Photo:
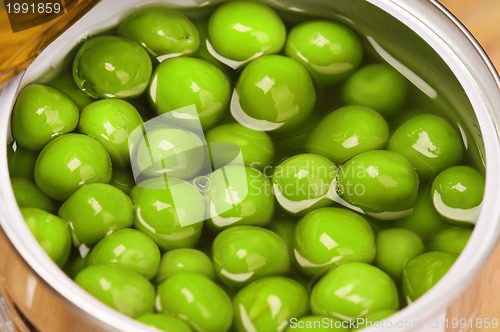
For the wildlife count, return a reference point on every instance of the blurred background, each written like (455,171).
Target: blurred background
(482,19)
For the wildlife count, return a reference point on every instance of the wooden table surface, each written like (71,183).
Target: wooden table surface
(482,299)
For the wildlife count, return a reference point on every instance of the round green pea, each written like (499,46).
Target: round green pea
(165,322)
(429,142)
(21,161)
(76,263)
(170,212)
(122,179)
(269,303)
(184,260)
(65,83)
(395,247)
(127,248)
(198,300)
(451,239)
(354,290)
(95,210)
(303,182)
(167,151)
(295,141)
(347,132)
(275,93)
(382,183)
(255,146)
(123,290)
(244,29)
(242,254)
(183,81)
(28,195)
(112,67)
(51,232)
(162,31)
(425,221)
(408,113)
(424,271)
(110,121)
(239,195)
(69,162)
(330,51)
(457,193)
(285,227)
(203,52)
(41,114)
(327,237)
(317,324)
(378,86)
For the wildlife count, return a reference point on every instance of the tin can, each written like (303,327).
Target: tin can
(419,38)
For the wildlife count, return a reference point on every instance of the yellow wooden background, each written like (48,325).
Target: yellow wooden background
(482,299)
(482,18)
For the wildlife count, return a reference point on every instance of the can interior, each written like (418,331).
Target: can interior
(384,34)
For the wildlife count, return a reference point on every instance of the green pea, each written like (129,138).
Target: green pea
(51,232)
(65,83)
(203,52)
(424,271)
(41,114)
(303,182)
(425,221)
(69,162)
(239,195)
(242,254)
(295,142)
(21,161)
(347,132)
(165,323)
(328,50)
(254,27)
(28,195)
(451,239)
(412,111)
(122,179)
(382,183)
(275,93)
(169,212)
(184,260)
(429,142)
(457,193)
(95,210)
(123,290)
(198,300)
(256,147)
(317,324)
(110,121)
(127,248)
(285,227)
(112,67)
(373,318)
(378,86)
(161,30)
(183,81)
(173,152)
(354,290)
(327,237)
(269,303)
(395,247)
(77,262)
